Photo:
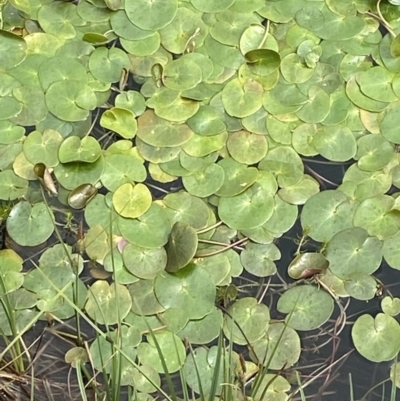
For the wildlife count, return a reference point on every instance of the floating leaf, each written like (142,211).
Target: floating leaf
(190,289)
(151,16)
(252,318)
(103,301)
(132,200)
(171,347)
(242,100)
(263,61)
(121,121)
(279,347)
(144,263)
(70,100)
(204,183)
(181,246)
(12,50)
(12,186)
(144,301)
(259,259)
(377,339)
(248,210)
(150,230)
(30,225)
(74,149)
(122,169)
(307,307)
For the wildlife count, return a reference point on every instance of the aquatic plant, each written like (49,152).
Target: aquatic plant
(179,132)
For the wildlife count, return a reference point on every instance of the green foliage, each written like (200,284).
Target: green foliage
(231,98)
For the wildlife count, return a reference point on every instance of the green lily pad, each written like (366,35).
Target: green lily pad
(74,149)
(181,246)
(374,215)
(102,352)
(72,175)
(279,347)
(124,28)
(144,301)
(203,331)
(241,100)
(376,339)
(70,100)
(43,148)
(186,26)
(142,47)
(247,148)
(10,271)
(230,26)
(376,83)
(299,194)
(374,152)
(144,263)
(200,369)
(13,50)
(150,230)
(61,68)
(389,123)
(250,209)
(33,104)
(159,132)
(10,107)
(307,307)
(11,133)
(104,300)
(354,93)
(169,345)
(30,225)
(121,121)
(391,251)
(186,208)
(336,143)
(97,243)
(207,121)
(200,146)
(317,107)
(390,306)
(212,6)
(106,64)
(218,267)
(238,177)
(259,259)
(310,18)
(262,61)
(59,19)
(327,213)
(285,164)
(182,74)
(252,318)
(190,289)
(294,70)
(131,100)
(274,387)
(360,286)
(132,200)
(122,169)
(12,186)
(151,16)
(146,380)
(205,183)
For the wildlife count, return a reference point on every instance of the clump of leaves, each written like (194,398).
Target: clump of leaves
(222,103)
